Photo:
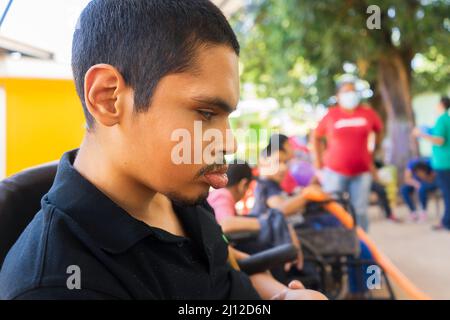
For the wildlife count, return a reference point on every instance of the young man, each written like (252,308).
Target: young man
(123,219)
(420,177)
(347,161)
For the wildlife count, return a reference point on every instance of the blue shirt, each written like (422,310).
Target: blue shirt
(119,257)
(412,163)
(265,188)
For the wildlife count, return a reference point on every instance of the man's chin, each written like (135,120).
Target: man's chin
(185,201)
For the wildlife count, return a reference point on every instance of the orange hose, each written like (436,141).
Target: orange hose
(316,195)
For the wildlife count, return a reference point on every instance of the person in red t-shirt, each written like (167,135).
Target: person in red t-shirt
(346,160)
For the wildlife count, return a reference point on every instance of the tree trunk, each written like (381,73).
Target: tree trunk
(395,89)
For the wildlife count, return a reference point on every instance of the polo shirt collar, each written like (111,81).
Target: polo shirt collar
(114,229)
(111,227)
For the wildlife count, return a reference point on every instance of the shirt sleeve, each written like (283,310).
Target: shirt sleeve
(321,130)
(440,129)
(377,122)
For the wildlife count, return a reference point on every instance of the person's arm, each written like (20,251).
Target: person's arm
(378,130)
(318,139)
(290,205)
(409,179)
(318,150)
(296,242)
(269,288)
(236,224)
(436,140)
(287,206)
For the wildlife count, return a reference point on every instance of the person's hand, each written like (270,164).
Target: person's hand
(296,242)
(417,133)
(415,184)
(298,263)
(296,291)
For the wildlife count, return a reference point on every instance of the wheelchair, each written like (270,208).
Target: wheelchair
(331,254)
(335,253)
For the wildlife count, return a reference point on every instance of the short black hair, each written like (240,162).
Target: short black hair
(145,40)
(422,166)
(276,143)
(445,102)
(237,171)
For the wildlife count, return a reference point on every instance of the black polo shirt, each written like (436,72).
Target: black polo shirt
(80,234)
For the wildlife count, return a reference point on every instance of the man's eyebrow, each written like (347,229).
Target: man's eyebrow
(216,102)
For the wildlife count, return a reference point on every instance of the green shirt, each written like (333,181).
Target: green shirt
(441,154)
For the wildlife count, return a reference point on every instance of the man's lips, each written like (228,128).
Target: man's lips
(217,178)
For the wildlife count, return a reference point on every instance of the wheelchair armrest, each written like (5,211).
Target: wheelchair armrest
(268,259)
(234,237)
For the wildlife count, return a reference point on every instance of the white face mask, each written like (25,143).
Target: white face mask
(349,100)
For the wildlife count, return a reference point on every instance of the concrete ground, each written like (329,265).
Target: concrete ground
(421,254)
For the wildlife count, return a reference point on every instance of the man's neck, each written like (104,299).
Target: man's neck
(139,201)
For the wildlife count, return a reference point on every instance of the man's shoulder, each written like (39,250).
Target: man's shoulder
(368,110)
(44,257)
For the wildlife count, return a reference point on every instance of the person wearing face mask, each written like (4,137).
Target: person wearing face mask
(440,138)
(341,149)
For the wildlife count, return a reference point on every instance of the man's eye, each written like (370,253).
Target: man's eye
(206,114)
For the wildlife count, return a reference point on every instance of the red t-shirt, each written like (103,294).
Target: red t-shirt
(347,135)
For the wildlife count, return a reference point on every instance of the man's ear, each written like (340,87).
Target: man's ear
(105,93)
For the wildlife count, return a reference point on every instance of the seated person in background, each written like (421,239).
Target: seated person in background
(380,190)
(223,200)
(268,192)
(419,176)
(288,183)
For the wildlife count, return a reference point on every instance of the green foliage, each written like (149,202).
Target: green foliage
(295,49)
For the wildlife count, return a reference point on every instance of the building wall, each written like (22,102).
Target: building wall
(44,118)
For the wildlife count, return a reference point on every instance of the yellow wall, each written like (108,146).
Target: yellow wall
(44,119)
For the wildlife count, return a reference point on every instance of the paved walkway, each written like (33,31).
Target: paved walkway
(421,254)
